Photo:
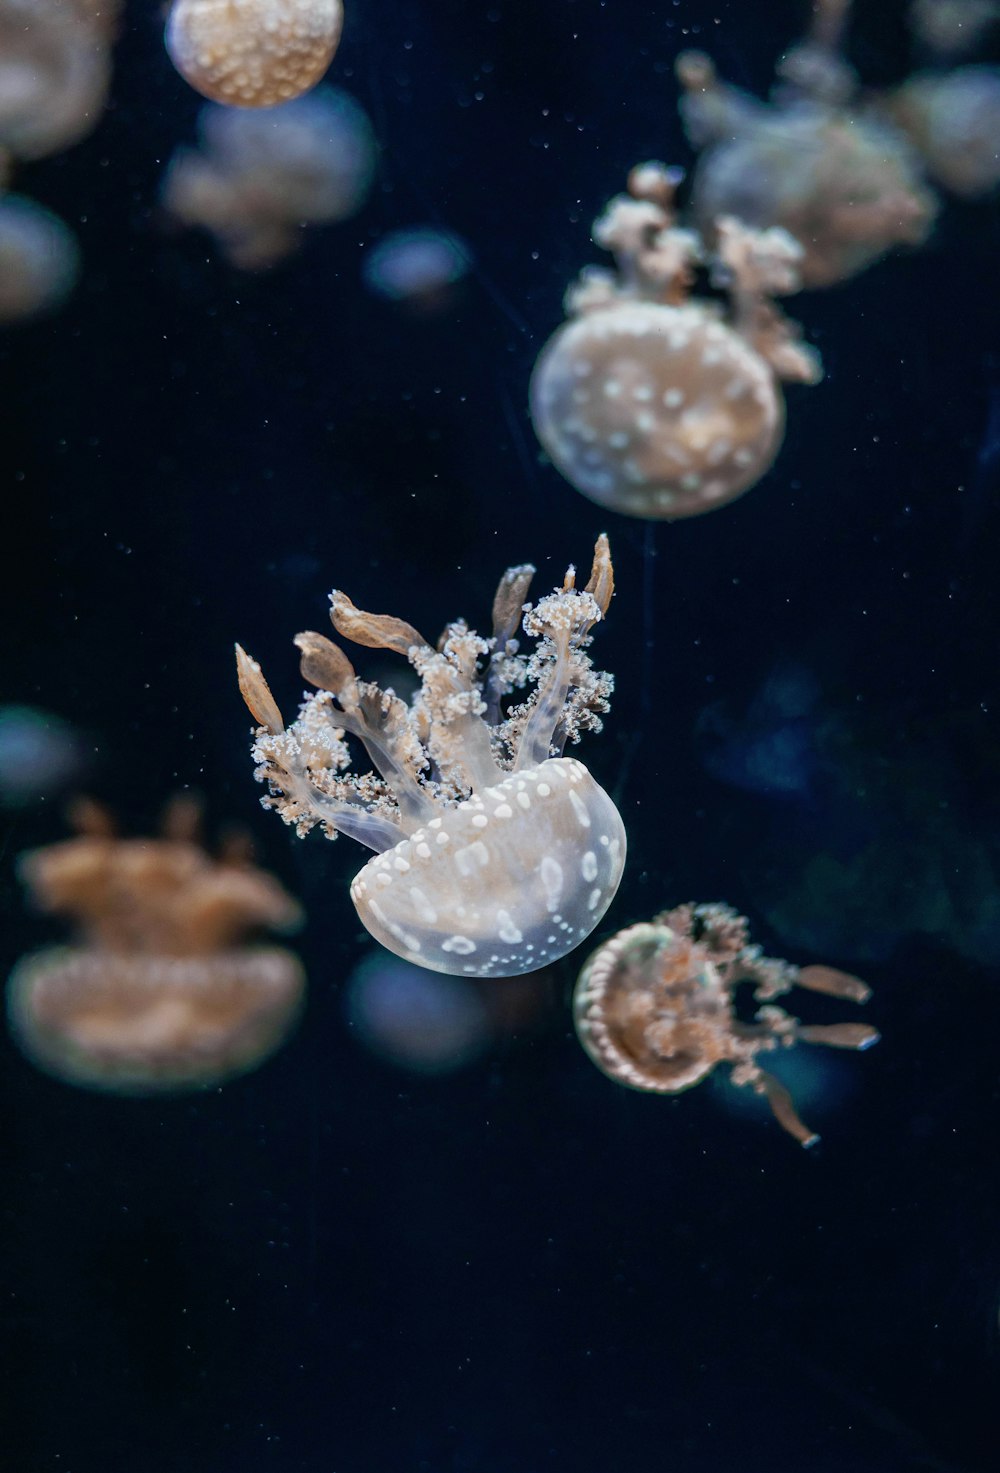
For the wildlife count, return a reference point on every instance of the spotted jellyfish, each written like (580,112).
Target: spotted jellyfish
(656,403)
(815,161)
(655,1007)
(255,53)
(160,991)
(494,853)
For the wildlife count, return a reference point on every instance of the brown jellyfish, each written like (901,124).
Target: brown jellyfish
(161,991)
(652,401)
(494,853)
(258,178)
(255,53)
(55,69)
(655,1007)
(816,161)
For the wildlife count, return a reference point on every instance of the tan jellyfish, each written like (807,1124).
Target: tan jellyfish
(257,179)
(161,992)
(253,53)
(655,1007)
(816,162)
(55,68)
(651,401)
(494,853)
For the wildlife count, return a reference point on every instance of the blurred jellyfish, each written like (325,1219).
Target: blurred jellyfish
(161,991)
(39,753)
(953,120)
(952,27)
(655,1007)
(494,853)
(650,401)
(840,179)
(424,1021)
(55,68)
(39,259)
(254,53)
(417,267)
(258,178)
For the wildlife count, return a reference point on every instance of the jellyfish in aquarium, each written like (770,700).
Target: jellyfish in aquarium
(953,120)
(952,27)
(255,53)
(39,753)
(655,1007)
(39,259)
(161,990)
(656,403)
(257,178)
(426,1022)
(55,70)
(419,268)
(494,853)
(815,161)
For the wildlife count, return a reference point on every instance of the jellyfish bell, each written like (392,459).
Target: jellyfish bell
(160,992)
(953,121)
(494,853)
(39,259)
(427,1022)
(654,1008)
(55,69)
(648,400)
(39,752)
(419,268)
(256,53)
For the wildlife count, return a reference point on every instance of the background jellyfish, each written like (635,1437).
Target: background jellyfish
(55,69)
(39,755)
(494,853)
(257,178)
(953,120)
(423,1021)
(951,27)
(255,53)
(160,991)
(650,401)
(655,1007)
(417,267)
(39,259)
(815,161)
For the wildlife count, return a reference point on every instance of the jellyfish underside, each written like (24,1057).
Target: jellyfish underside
(494,853)
(255,54)
(161,993)
(655,1008)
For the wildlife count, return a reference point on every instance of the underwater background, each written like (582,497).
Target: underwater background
(338,1265)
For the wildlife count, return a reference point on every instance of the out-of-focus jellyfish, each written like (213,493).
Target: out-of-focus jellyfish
(55,68)
(655,1007)
(494,853)
(815,161)
(952,27)
(253,53)
(417,267)
(39,753)
(258,178)
(655,403)
(772,747)
(423,1021)
(161,991)
(953,120)
(39,259)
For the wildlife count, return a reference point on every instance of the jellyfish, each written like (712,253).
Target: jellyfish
(426,1022)
(255,53)
(39,259)
(951,27)
(651,401)
(655,1007)
(160,992)
(494,853)
(39,753)
(258,178)
(55,69)
(840,178)
(953,120)
(417,267)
